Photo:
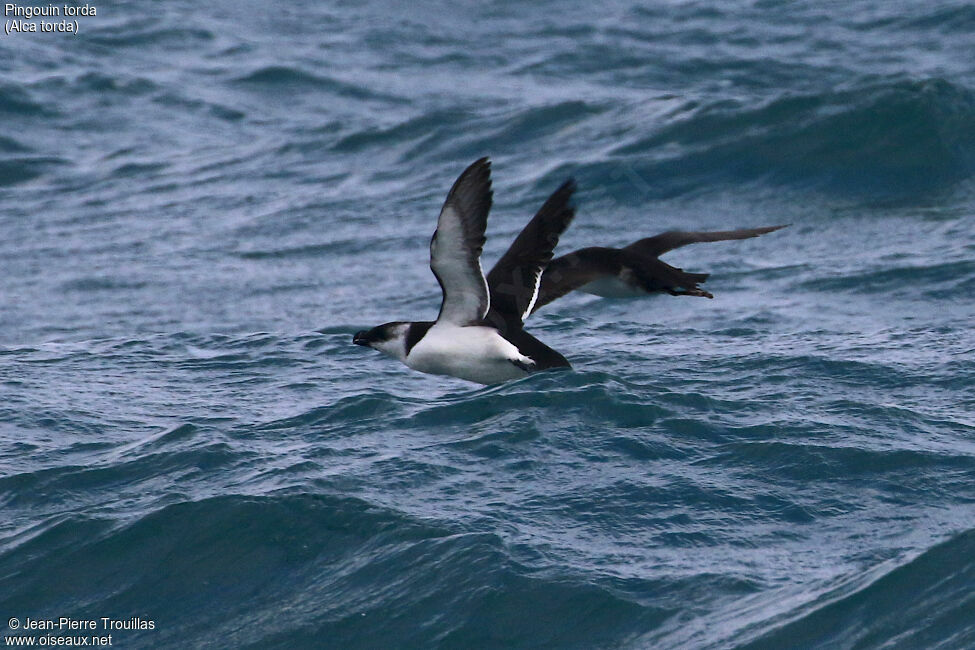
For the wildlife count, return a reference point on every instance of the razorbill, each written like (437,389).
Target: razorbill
(633,270)
(478,334)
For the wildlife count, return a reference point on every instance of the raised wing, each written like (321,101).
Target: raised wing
(515,279)
(668,241)
(455,250)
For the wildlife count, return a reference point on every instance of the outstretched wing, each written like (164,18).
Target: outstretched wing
(455,250)
(668,241)
(515,279)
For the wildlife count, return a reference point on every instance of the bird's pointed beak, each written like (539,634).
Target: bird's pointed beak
(360,339)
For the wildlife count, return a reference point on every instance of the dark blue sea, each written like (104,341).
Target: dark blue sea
(200,203)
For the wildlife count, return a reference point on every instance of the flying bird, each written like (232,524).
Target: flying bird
(479,333)
(633,270)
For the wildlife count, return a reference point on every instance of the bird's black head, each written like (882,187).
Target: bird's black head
(363,338)
(389,338)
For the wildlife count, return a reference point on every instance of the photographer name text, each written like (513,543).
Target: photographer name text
(95,624)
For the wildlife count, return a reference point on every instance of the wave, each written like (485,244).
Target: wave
(345,247)
(220,111)
(427,127)
(946,280)
(292,569)
(17,162)
(947,20)
(890,138)
(466,132)
(273,78)
(18,101)
(925,602)
(99,82)
(9,145)
(148,33)
(101,283)
(19,170)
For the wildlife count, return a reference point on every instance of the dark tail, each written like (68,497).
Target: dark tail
(656,275)
(544,357)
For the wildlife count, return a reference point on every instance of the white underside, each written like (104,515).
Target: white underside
(474,353)
(611,287)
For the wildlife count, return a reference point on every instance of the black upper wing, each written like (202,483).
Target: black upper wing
(668,241)
(515,280)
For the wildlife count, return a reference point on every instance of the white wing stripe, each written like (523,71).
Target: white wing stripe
(531,303)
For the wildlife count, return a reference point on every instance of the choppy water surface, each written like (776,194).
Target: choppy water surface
(200,205)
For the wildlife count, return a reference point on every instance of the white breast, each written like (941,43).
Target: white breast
(474,353)
(611,286)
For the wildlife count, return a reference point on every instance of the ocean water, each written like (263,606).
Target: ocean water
(201,203)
